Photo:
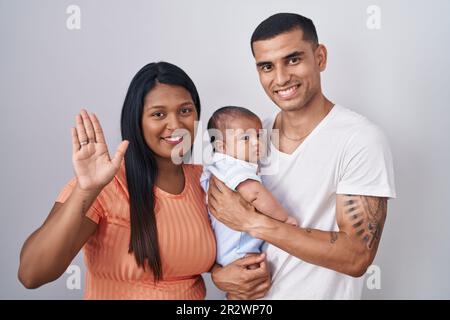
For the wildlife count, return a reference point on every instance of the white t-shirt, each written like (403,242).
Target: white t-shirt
(344,154)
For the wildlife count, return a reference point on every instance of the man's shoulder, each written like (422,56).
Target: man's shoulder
(348,118)
(358,130)
(353,123)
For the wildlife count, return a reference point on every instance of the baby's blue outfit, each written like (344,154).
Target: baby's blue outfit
(231,244)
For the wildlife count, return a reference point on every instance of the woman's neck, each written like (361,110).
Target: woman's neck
(167,167)
(170,176)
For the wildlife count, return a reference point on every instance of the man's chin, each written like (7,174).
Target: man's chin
(289,105)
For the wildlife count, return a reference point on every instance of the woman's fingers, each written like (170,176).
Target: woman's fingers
(88,126)
(99,137)
(81,132)
(120,153)
(75,141)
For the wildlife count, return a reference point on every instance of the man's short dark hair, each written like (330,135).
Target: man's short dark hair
(283,22)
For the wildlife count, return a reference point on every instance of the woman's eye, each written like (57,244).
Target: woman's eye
(157,114)
(186,110)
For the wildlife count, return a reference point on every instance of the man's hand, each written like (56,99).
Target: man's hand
(239,282)
(229,207)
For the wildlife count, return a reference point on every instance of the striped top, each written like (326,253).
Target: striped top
(187,244)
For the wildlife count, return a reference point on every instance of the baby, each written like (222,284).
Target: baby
(234,133)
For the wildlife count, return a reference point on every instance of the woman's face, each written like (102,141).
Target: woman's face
(168,120)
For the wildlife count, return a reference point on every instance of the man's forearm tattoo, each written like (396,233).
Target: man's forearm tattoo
(367,215)
(333,237)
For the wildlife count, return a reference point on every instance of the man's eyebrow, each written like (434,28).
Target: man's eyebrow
(263,63)
(294,54)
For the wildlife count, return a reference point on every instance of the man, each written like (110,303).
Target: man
(333,172)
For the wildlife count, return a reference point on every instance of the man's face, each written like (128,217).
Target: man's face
(289,69)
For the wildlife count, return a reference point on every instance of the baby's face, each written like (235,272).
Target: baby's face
(242,139)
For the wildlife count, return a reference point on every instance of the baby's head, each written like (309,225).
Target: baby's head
(235,131)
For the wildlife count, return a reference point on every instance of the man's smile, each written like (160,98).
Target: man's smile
(287,93)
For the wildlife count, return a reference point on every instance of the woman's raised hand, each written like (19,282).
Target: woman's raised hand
(93,166)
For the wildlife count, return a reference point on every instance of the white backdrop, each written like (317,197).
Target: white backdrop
(397,76)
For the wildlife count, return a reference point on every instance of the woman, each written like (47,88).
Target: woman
(142,221)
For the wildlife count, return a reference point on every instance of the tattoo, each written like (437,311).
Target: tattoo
(371,213)
(333,237)
(359,223)
(376,209)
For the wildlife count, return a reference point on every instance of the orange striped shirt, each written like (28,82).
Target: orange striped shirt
(186,240)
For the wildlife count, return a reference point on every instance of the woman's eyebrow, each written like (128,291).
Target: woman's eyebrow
(186,102)
(158,106)
(148,107)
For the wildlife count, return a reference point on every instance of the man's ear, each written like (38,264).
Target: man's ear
(320,54)
(219,146)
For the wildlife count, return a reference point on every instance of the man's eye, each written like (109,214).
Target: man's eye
(294,60)
(266,67)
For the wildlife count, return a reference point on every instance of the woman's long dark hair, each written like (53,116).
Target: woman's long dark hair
(140,162)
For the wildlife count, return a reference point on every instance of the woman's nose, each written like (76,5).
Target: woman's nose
(173,122)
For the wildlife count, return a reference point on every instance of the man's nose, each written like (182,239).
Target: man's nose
(282,76)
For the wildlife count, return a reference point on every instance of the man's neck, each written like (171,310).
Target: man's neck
(298,123)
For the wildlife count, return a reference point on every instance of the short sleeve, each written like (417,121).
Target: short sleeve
(95,212)
(234,177)
(366,165)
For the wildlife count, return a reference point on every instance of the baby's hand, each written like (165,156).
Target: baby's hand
(291,220)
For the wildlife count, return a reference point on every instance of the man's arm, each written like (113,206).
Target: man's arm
(350,250)
(255,193)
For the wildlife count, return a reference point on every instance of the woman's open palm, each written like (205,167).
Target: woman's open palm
(93,166)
